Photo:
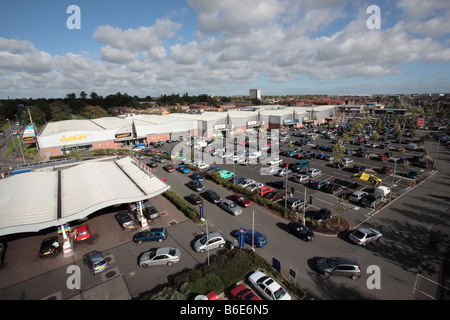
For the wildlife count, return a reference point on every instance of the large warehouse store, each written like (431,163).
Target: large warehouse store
(58,138)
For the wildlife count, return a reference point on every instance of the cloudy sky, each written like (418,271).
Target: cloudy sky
(223,47)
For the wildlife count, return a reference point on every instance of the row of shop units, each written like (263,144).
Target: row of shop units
(61,137)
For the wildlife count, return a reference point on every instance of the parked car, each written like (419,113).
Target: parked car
(358,168)
(169,168)
(312,172)
(253,186)
(209,241)
(153,234)
(331,188)
(267,287)
(275,195)
(241,292)
(363,236)
(339,266)
(49,247)
(241,200)
(230,207)
(196,185)
(125,220)
(225,174)
(212,196)
(152,164)
(371,200)
(347,161)
(299,230)
(194,199)
(257,238)
(82,233)
(413,174)
(95,261)
(300,178)
(150,212)
(322,214)
(246,183)
(183,169)
(382,157)
(283,172)
(278,184)
(295,204)
(262,191)
(159,159)
(159,257)
(318,184)
(386,170)
(197,176)
(357,196)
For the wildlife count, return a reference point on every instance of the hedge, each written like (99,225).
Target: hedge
(182,205)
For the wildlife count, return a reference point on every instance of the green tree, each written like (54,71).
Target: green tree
(94,112)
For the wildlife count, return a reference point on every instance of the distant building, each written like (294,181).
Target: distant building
(255,93)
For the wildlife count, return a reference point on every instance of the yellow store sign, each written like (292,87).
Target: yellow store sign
(74,138)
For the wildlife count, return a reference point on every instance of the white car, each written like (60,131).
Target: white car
(364,235)
(269,170)
(246,183)
(314,172)
(267,287)
(300,178)
(274,162)
(253,186)
(347,161)
(283,172)
(357,196)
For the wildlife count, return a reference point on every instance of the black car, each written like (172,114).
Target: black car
(125,220)
(331,188)
(358,168)
(212,196)
(152,164)
(322,214)
(49,247)
(300,230)
(194,198)
(195,185)
(150,212)
(277,184)
(371,200)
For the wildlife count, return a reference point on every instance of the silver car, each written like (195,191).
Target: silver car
(209,241)
(314,172)
(364,235)
(357,196)
(159,257)
(230,207)
(300,178)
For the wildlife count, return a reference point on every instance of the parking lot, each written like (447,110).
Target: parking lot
(19,281)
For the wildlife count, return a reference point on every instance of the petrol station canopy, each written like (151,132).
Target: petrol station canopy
(34,201)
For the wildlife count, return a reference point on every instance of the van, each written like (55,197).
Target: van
(209,241)
(382,191)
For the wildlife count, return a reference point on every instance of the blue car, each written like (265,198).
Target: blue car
(154,234)
(197,176)
(259,240)
(183,169)
(318,184)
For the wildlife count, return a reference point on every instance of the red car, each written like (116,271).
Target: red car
(241,200)
(263,190)
(82,233)
(275,195)
(169,168)
(241,292)
(386,170)
(382,157)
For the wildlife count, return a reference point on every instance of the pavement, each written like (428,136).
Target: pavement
(22,264)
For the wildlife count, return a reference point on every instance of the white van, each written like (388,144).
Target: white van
(382,191)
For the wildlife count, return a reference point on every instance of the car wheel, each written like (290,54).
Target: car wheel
(202,250)
(144,265)
(354,276)
(140,242)
(221,245)
(160,240)
(169,263)
(327,274)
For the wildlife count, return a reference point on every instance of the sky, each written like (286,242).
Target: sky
(223,47)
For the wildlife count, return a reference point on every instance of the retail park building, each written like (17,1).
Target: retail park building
(57,138)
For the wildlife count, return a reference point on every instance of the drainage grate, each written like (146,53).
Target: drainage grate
(110,274)
(172,223)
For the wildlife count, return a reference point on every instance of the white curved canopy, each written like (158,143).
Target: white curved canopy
(37,200)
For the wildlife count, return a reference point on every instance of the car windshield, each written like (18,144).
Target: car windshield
(332,262)
(279,293)
(172,252)
(358,234)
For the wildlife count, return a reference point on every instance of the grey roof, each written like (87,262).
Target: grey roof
(32,201)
